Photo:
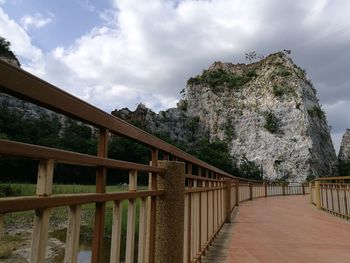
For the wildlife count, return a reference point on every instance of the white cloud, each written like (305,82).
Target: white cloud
(36,21)
(30,56)
(2,2)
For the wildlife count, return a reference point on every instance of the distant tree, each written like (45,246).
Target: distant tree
(251,56)
(4,44)
(287,51)
(249,169)
(344,168)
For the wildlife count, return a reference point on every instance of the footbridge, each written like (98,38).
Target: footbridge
(186,206)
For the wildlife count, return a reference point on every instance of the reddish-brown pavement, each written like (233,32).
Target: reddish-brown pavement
(287,229)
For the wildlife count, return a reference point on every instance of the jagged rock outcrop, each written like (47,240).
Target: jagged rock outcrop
(267,111)
(344,152)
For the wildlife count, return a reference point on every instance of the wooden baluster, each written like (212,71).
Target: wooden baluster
(116,232)
(142,230)
(42,217)
(130,233)
(73,230)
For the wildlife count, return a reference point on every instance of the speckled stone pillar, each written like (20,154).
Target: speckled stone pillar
(228,200)
(170,213)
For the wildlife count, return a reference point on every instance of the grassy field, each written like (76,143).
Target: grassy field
(19,222)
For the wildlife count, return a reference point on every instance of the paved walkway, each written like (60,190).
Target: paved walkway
(285,229)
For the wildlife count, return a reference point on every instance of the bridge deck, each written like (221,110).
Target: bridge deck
(286,229)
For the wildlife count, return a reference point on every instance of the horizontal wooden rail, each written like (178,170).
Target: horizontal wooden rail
(15,204)
(10,148)
(332,178)
(201,178)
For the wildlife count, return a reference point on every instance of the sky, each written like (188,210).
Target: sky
(118,53)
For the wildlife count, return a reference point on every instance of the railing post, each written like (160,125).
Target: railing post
(237,193)
(303,188)
(265,187)
(228,200)
(169,239)
(250,191)
(283,188)
(318,194)
(310,190)
(99,222)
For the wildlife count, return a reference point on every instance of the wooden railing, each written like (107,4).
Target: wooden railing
(180,213)
(209,204)
(332,194)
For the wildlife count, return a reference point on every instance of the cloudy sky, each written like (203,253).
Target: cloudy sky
(117,53)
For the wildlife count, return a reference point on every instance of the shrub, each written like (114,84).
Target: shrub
(344,168)
(284,72)
(249,169)
(278,91)
(316,111)
(271,122)
(218,79)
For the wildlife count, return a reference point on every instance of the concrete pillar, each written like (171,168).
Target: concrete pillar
(169,240)
(265,187)
(310,190)
(251,191)
(237,193)
(318,194)
(228,200)
(303,188)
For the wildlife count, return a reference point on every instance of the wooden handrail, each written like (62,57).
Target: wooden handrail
(11,148)
(24,85)
(332,178)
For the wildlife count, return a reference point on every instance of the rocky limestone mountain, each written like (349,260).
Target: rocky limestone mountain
(344,152)
(267,112)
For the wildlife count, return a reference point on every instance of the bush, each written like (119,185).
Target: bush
(249,169)
(284,72)
(278,91)
(218,79)
(316,111)
(344,168)
(271,122)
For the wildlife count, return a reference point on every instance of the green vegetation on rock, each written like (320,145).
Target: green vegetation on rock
(316,112)
(220,79)
(271,122)
(343,168)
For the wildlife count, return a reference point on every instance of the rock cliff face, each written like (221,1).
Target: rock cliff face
(267,112)
(344,152)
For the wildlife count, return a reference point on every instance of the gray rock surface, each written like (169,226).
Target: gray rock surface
(344,152)
(267,111)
